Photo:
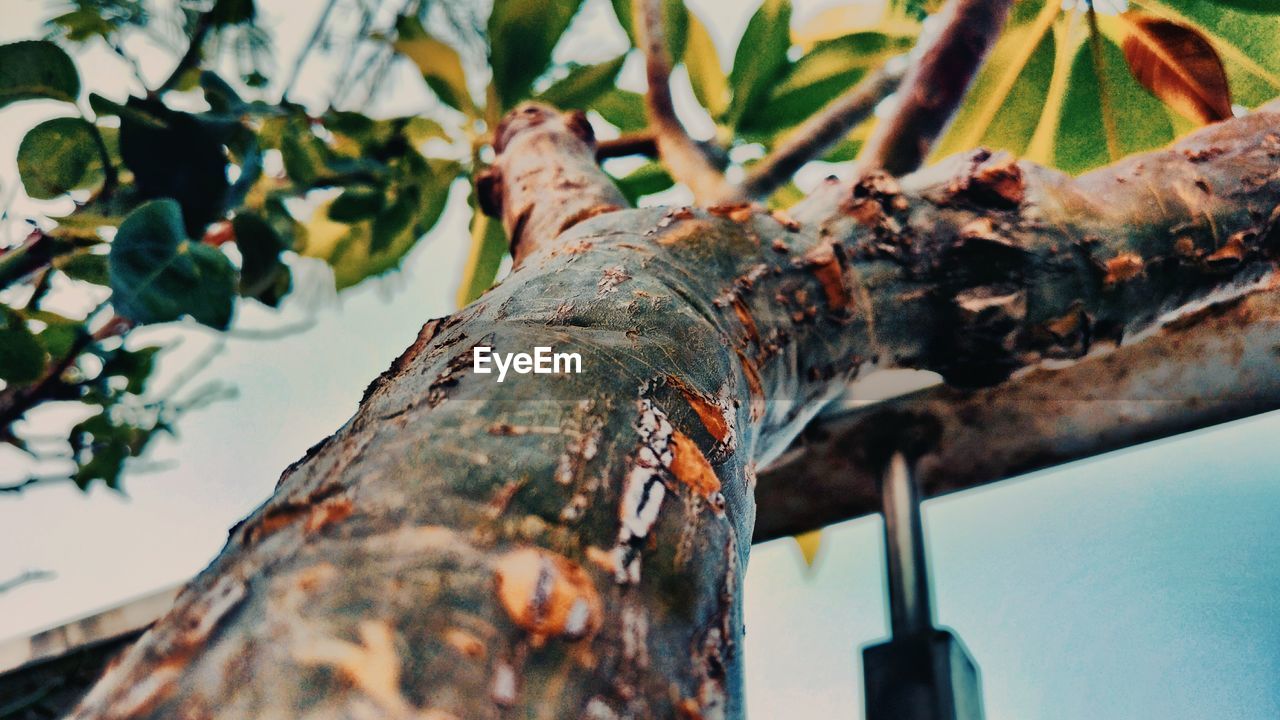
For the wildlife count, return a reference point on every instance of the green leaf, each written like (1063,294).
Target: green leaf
(647,179)
(134,366)
(35,69)
(357,202)
(21,355)
(760,58)
(488,248)
(674,18)
(181,158)
(622,108)
(821,75)
(81,24)
(232,12)
(371,247)
(1004,105)
(710,85)
(58,156)
(84,266)
(1142,122)
(583,85)
(1270,7)
(222,98)
(60,334)
(522,34)
(98,453)
(263,275)
(157,275)
(440,65)
(305,156)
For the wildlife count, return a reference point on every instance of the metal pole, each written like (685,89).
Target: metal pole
(910,606)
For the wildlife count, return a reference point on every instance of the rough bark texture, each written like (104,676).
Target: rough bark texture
(1212,366)
(563,546)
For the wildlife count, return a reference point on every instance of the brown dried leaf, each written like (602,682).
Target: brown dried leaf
(1179,66)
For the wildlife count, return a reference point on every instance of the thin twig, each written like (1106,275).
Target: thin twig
(189,59)
(343,86)
(16,401)
(26,576)
(312,41)
(21,485)
(935,86)
(821,132)
(132,62)
(682,156)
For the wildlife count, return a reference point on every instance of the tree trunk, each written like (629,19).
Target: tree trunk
(573,545)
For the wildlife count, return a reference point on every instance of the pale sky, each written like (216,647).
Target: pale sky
(1143,584)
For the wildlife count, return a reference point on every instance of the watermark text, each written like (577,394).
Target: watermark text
(542,361)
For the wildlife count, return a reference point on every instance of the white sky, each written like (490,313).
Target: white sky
(1140,585)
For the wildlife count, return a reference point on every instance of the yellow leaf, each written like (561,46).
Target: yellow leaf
(848,19)
(441,66)
(706,74)
(488,248)
(322,235)
(809,544)
(1069,35)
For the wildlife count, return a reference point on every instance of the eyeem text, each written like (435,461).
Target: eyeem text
(541,362)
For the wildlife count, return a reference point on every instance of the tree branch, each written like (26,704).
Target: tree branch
(546,178)
(18,399)
(636,143)
(681,154)
(935,86)
(707,337)
(821,132)
(1210,367)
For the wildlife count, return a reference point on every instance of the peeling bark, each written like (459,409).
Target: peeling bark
(573,545)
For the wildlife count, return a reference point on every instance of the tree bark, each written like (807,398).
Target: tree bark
(573,545)
(1214,365)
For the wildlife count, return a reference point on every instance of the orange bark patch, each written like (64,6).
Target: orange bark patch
(866,211)
(547,594)
(1001,179)
(785,220)
(754,387)
(690,709)
(602,559)
(328,512)
(748,322)
(465,643)
(1122,268)
(829,271)
(737,212)
(683,232)
(315,577)
(372,667)
(1230,253)
(711,414)
(691,468)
